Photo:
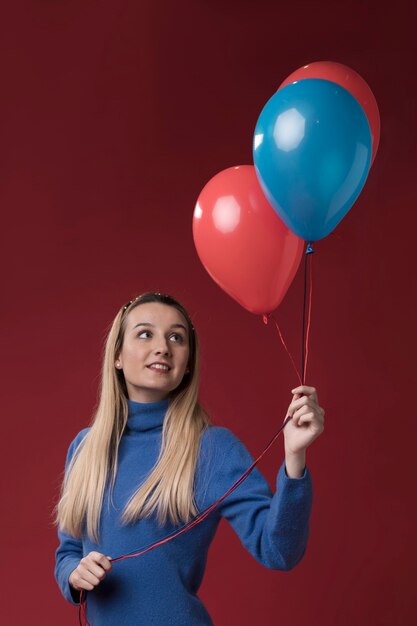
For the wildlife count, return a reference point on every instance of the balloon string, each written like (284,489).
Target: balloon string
(82,613)
(307,300)
(288,352)
(308,279)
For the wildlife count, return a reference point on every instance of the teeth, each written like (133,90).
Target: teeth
(159,367)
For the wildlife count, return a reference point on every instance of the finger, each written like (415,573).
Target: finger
(306,390)
(295,416)
(305,401)
(89,577)
(300,408)
(87,565)
(100,559)
(291,407)
(317,411)
(95,556)
(308,418)
(88,583)
(314,425)
(81,584)
(81,579)
(305,410)
(297,396)
(105,562)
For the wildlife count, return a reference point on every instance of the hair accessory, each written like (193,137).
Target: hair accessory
(129,303)
(156,293)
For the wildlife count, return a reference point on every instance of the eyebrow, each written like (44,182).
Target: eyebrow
(149,324)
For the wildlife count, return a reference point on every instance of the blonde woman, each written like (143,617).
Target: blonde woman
(150,461)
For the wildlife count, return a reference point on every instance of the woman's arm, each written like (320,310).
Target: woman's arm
(274,528)
(70,550)
(67,557)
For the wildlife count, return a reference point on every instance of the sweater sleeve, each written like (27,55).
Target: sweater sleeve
(70,549)
(274,528)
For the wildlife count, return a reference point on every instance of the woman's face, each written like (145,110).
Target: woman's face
(155,334)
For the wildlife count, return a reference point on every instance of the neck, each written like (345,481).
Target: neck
(144,416)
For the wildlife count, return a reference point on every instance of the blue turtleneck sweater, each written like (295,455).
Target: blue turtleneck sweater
(160,588)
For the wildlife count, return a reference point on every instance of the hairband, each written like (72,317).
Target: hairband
(155,293)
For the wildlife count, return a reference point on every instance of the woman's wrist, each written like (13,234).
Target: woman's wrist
(295,463)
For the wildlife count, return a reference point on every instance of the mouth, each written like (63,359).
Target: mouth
(160,368)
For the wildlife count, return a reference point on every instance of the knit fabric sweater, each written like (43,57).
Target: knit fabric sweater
(160,588)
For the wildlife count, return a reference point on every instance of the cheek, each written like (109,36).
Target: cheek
(132,353)
(186,358)
(181,357)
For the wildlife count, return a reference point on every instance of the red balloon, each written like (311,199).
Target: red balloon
(350,80)
(243,244)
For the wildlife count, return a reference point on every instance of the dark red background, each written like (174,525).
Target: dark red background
(114,114)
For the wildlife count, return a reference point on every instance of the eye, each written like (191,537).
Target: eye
(179,338)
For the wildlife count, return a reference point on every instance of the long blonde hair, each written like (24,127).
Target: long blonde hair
(168,490)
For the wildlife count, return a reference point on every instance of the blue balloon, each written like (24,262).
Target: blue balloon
(312,152)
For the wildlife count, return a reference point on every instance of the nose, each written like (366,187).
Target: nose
(162,346)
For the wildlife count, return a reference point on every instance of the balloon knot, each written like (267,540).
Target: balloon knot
(309,248)
(265,318)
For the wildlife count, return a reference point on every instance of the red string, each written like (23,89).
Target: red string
(288,352)
(306,333)
(310,295)
(202,516)
(82,614)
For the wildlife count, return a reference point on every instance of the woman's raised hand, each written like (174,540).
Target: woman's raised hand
(307,421)
(90,571)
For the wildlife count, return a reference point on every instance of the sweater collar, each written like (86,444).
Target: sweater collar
(143,416)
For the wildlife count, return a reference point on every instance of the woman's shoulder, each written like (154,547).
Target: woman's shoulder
(219,434)
(76,442)
(218,440)
(222,457)
(80,436)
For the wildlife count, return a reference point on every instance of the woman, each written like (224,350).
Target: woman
(150,462)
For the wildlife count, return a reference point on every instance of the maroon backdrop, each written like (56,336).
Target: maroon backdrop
(114,114)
